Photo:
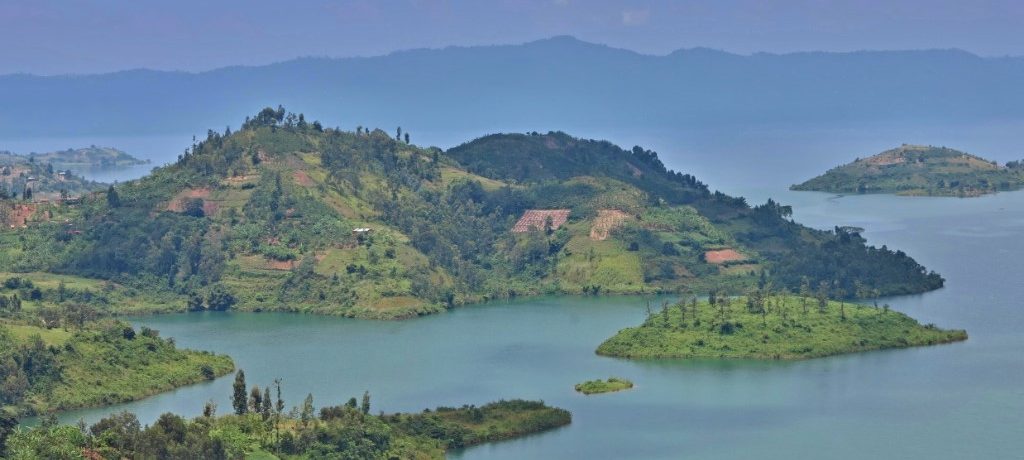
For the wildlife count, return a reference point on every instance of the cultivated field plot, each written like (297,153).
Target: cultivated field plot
(538,217)
(722,256)
(606,221)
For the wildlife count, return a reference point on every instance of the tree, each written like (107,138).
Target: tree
(26,194)
(113,200)
(805,292)
(209,409)
(822,296)
(7,425)
(256,400)
(366,403)
(398,134)
(219,299)
(194,207)
(279,405)
(267,407)
(406,138)
(238,399)
(840,294)
(195,302)
(307,410)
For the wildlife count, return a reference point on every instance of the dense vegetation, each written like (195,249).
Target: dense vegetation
(261,428)
(920,170)
(766,326)
(266,217)
(603,386)
(58,359)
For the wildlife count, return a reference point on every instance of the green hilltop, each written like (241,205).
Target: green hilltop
(920,171)
(284,214)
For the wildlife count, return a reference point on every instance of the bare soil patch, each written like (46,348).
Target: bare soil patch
(722,256)
(177,203)
(606,221)
(302,178)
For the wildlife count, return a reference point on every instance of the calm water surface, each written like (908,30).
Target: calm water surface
(954,401)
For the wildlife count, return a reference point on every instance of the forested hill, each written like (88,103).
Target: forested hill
(920,170)
(536,158)
(284,214)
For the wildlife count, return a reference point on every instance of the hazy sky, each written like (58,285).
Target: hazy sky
(85,36)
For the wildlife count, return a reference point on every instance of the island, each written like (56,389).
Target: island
(918,170)
(259,427)
(91,157)
(771,327)
(285,214)
(603,386)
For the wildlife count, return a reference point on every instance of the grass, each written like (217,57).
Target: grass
(784,332)
(52,281)
(23,332)
(604,263)
(449,175)
(603,386)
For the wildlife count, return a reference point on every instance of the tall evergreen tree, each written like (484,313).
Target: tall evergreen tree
(113,200)
(366,402)
(267,407)
(307,410)
(239,399)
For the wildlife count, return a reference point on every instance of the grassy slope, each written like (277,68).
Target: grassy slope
(751,336)
(98,368)
(918,170)
(603,386)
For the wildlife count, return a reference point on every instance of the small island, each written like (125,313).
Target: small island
(91,157)
(603,386)
(771,327)
(917,170)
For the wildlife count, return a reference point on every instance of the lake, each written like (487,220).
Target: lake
(962,400)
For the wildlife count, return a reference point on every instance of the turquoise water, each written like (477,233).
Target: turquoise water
(952,401)
(962,400)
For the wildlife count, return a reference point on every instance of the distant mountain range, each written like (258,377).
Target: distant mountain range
(557,82)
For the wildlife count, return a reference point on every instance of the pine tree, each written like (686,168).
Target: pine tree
(265,410)
(113,200)
(307,410)
(366,402)
(238,399)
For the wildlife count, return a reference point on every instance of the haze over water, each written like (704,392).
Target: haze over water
(952,401)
